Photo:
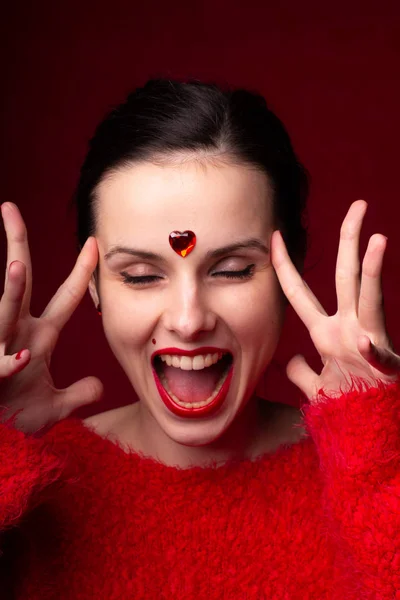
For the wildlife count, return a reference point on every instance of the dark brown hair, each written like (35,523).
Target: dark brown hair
(166,117)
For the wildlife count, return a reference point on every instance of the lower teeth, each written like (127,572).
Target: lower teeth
(194,404)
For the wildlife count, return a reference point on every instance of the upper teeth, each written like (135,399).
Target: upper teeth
(191,363)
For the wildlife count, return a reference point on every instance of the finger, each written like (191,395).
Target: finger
(348,262)
(11,301)
(385,361)
(302,375)
(14,363)
(306,305)
(371,314)
(17,247)
(71,292)
(83,392)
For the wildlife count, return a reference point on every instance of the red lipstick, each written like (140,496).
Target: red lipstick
(181,352)
(193,412)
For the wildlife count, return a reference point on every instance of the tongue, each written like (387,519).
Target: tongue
(193,386)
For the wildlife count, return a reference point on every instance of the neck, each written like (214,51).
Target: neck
(252,433)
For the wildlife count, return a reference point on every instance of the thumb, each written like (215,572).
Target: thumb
(80,393)
(302,375)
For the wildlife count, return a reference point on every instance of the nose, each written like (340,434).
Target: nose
(188,313)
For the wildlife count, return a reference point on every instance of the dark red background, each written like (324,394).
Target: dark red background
(329,70)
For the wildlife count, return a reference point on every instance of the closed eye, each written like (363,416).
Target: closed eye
(244,274)
(139,279)
(146,279)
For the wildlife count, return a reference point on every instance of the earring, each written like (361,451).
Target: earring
(99,309)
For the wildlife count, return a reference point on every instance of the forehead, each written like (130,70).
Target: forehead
(148,200)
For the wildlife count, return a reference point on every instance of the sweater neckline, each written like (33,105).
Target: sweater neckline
(73,429)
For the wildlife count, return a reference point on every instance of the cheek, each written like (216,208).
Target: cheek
(255,314)
(128,318)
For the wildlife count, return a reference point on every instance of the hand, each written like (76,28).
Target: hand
(26,383)
(354,341)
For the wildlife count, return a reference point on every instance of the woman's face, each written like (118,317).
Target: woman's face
(192,333)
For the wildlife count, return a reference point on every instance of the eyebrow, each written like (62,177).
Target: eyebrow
(252,243)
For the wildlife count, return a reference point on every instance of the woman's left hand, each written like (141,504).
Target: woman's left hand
(354,341)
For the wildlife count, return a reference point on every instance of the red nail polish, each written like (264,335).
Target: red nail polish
(19,354)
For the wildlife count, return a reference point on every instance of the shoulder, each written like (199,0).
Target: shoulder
(110,421)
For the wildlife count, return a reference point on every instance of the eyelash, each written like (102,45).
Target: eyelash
(246,273)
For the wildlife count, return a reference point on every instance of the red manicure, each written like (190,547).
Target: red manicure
(19,354)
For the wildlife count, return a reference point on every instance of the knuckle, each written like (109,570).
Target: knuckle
(371,303)
(15,289)
(345,273)
(8,319)
(347,231)
(341,274)
(372,271)
(72,291)
(85,269)
(20,234)
(294,290)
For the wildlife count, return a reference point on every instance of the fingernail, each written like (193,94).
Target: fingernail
(19,355)
(12,267)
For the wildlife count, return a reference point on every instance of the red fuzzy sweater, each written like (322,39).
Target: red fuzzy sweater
(84,520)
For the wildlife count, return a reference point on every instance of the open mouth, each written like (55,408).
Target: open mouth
(193,385)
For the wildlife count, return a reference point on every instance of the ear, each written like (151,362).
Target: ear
(93,291)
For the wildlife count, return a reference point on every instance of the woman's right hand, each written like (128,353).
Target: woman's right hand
(26,382)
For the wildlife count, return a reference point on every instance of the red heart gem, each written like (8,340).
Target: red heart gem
(182,242)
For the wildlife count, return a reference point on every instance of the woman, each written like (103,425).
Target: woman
(190,207)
